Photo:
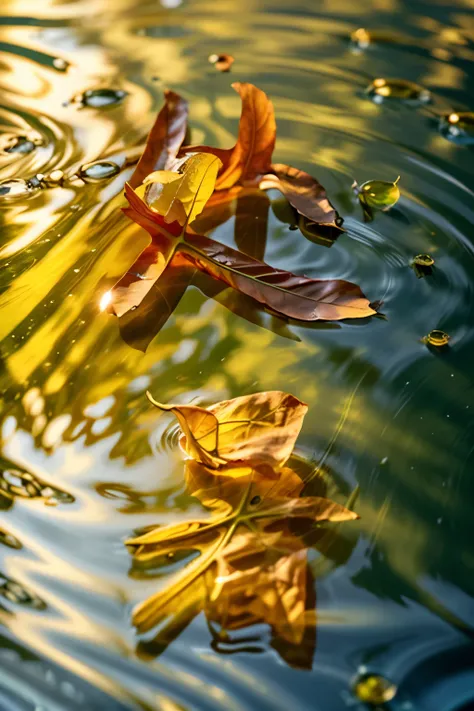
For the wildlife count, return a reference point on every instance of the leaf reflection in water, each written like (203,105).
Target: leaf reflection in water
(250,557)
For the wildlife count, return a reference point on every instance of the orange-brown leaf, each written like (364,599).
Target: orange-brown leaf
(251,156)
(254,429)
(293,296)
(304,193)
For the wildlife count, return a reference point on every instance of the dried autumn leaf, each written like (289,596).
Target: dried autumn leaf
(293,296)
(296,297)
(181,197)
(251,156)
(256,429)
(165,138)
(304,193)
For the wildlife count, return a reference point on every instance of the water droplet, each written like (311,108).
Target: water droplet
(99,98)
(15,187)
(379,194)
(98,170)
(374,689)
(381,90)
(60,64)
(458,127)
(18,144)
(424,260)
(360,39)
(256,500)
(437,338)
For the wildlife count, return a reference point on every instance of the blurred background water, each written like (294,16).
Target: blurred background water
(85,460)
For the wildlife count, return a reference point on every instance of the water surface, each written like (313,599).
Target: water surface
(86,460)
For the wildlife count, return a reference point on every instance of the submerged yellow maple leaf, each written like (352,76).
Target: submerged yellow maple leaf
(258,429)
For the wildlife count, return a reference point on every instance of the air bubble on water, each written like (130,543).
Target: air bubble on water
(60,64)
(381,90)
(360,39)
(98,170)
(458,127)
(100,98)
(18,144)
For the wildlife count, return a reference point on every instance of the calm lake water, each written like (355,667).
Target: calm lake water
(85,459)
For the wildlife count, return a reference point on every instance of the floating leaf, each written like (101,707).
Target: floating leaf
(165,138)
(251,156)
(180,197)
(222,62)
(296,297)
(304,193)
(256,429)
(293,296)
(379,194)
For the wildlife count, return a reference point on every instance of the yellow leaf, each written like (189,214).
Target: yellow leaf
(182,196)
(258,429)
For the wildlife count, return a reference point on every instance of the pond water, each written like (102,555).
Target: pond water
(86,461)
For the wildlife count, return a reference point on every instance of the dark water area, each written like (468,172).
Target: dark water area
(85,460)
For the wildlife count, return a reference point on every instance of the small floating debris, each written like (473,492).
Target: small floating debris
(8,539)
(381,90)
(436,338)
(422,265)
(424,260)
(458,127)
(379,194)
(98,170)
(15,188)
(222,62)
(100,98)
(374,689)
(360,39)
(19,144)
